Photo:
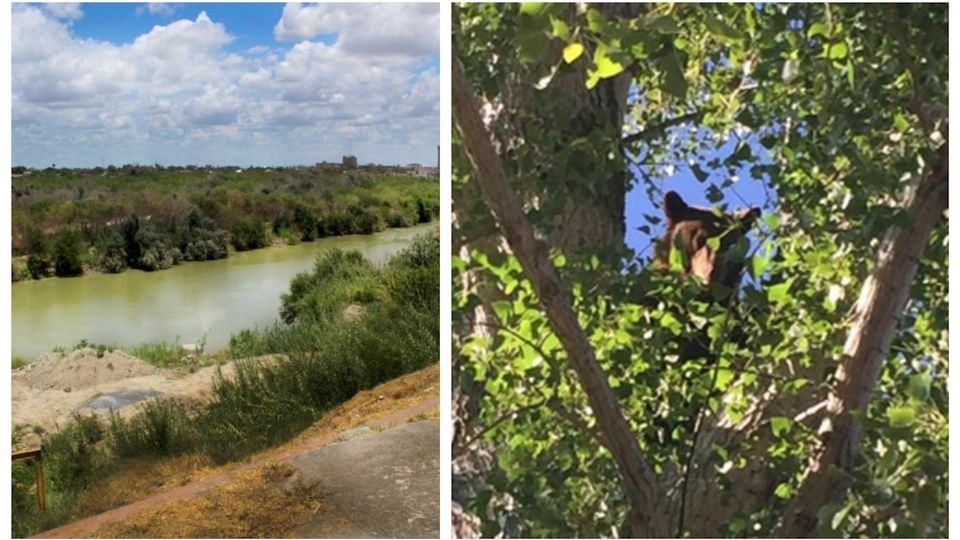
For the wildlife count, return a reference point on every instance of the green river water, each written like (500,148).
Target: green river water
(185,302)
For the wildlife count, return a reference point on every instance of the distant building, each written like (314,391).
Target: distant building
(349,162)
(328,165)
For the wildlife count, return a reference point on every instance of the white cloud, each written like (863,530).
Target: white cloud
(162,9)
(176,94)
(65,10)
(369,29)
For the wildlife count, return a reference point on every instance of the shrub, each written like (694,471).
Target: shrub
(248,234)
(423,213)
(396,219)
(197,237)
(161,428)
(67,248)
(113,256)
(306,222)
(38,266)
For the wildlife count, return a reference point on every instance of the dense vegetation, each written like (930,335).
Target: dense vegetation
(820,408)
(151,218)
(321,357)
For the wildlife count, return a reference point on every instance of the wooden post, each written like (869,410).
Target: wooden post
(37,456)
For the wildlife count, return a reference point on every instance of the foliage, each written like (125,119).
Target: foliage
(248,234)
(833,109)
(66,253)
(187,209)
(197,237)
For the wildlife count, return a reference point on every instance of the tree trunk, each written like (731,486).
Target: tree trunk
(878,311)
(639,481)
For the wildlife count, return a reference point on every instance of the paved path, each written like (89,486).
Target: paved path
(417,444)
(384,485)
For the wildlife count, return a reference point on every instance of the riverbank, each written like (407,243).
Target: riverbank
(324,353)
(153,218)
(181,305)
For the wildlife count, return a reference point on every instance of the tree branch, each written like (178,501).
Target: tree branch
(658,129)
(639,480)
(878,309)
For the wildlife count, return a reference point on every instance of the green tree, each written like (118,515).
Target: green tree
(67,249)
(827,413)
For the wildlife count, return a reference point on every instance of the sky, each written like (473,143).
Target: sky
(225,84)
(745,190)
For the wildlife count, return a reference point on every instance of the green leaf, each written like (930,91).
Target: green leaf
(671,323)
(901,416)
(604,66)
(818,29)
(665,24)
(839,518)
(780,424)
(900,122)
(571,52)
(772,221)
(673,79)
(722,30)
(759,264)
(503,309)
(919,387)
(837,51)
(929,502)
(560,29)
(778,293)
(784,491)
(531,44)
(533,8)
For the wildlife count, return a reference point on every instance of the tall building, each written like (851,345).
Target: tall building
(349,162)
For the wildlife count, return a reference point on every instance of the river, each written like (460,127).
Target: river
(216,298)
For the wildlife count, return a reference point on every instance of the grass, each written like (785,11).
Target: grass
(325,361)
(162,354)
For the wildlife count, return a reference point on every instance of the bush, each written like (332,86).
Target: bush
(161,428)
(423,213)
(146,247)
(38,266)
(364,221)
(113,256)
(306,222)
(67,249)
(396,219)
(248,234)
(198,239)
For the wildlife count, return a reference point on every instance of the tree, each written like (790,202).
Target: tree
(67,248)
(828,415)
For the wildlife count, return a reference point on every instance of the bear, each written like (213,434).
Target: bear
(689,228)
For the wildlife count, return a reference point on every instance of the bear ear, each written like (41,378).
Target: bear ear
(748,216)
(673,205)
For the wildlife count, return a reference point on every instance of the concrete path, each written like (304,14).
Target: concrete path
(415,442)
(383,485)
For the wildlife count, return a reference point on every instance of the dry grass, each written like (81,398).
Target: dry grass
(252,505)
(375,403)
(138,479)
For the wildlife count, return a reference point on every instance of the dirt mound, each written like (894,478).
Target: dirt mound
(82,368)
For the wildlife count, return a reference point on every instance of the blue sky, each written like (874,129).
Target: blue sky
(238,84)
(740,186)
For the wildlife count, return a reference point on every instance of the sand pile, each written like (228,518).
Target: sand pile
(81,368)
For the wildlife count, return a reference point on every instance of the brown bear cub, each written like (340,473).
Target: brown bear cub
(690,228)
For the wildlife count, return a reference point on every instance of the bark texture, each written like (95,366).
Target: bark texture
(882,300)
